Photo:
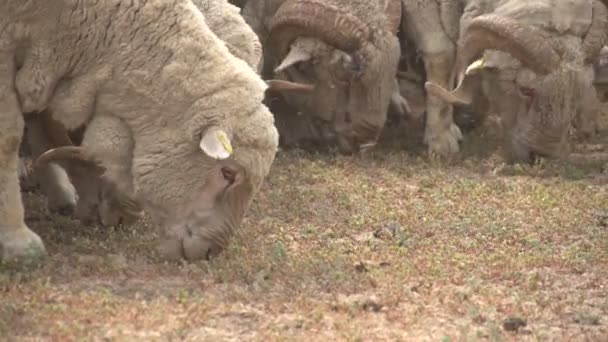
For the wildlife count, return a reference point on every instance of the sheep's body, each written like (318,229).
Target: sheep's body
(84,197)
(574,31)
(149,80)
(347,50)
(225,20)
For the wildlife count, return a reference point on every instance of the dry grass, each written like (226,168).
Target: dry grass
(385,246)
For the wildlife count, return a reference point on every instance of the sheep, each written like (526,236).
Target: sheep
(98,199)
(172,116)
(535,69)
(346,52)
(226,22)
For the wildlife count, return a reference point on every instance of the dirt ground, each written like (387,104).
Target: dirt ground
(384,246)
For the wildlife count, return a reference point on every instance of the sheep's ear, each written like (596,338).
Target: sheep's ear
(295,55)
(475,66)
(216,144)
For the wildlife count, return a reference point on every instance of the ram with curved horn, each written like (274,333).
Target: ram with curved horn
(532,61)
(572,31)
(179,127)
(343,54)
(75,186)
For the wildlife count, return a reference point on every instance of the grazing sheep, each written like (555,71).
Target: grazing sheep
(346,51)
(535,66)
(92,197)
(172,116)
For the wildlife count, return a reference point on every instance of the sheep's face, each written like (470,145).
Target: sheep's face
(348,105)
(201,226)
(536,110)
(196,188)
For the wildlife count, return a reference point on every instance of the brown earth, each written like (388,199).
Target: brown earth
(384,246)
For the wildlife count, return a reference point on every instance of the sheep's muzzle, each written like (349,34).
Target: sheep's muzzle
(203,227)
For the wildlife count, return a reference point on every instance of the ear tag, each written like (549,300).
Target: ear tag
(216,144)
(475,66)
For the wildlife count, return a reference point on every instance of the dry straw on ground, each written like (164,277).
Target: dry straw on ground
(385,246)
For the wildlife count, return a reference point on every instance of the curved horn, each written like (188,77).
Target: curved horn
(282,85)
(598,32)
(63,153)
(462,95)
(526,43)
(316,18)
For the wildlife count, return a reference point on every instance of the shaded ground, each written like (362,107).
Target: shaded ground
(385,246)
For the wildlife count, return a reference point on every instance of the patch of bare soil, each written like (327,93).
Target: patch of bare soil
(384,246)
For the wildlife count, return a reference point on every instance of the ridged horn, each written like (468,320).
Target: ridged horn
(526,43)
(597,35)
(462,95)
(65,153)
(316,18)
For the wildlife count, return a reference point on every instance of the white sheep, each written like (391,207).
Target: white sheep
(171,114)
(225,20)
(527,60)
(346,52)
(91,198)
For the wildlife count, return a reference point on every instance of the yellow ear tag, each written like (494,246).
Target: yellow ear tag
(477,65)
(221,136)
(216,144)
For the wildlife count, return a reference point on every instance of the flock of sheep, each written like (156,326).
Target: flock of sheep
(177,107)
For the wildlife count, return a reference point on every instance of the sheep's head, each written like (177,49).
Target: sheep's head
(348,65)
(196,188)
(536,96)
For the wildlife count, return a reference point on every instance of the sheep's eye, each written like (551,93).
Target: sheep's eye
(527,92)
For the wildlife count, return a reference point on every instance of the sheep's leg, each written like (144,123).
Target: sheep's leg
(398,104)
(36,79)
(441,134)
(73,101)
(17,242)
(586,122)
(53,179)
(72,105)
(110,139)
(22,170)
(433,32)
